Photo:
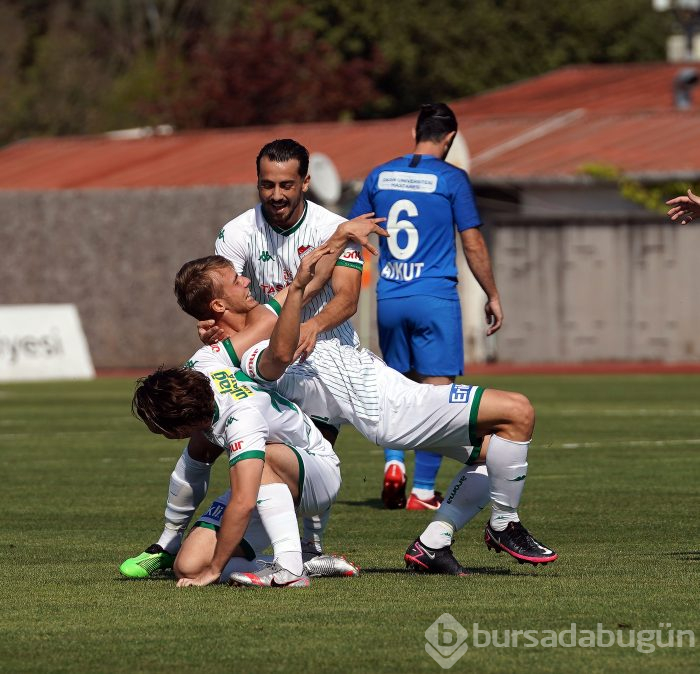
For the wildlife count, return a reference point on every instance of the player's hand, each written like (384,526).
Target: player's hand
(209,333)
(358,230)
(308,334)
(206,577)
(307,266)
(684,207)
(494,315)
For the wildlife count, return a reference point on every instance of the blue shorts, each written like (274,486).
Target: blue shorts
(423,334)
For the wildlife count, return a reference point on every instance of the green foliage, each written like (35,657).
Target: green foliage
(82,66)
(651,197)
(611,485)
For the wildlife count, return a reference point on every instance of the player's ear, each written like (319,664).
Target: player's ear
(306,182)
(217,306)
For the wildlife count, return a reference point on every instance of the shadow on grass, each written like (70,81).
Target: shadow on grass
(473,571)
(684,555)
(367,503)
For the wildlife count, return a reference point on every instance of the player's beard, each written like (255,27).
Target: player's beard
(285,217)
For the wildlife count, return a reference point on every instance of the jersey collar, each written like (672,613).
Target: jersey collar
(291,230)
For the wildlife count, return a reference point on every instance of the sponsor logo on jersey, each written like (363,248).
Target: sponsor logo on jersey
(351,255)
(265,256)
(402,271)
(190,363)
(459,393)
(225,382)
(229,421)
(407,182)
(236,446)
(272,288)
(221,235)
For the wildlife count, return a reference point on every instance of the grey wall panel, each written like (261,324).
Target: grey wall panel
(114,253)
(602,290)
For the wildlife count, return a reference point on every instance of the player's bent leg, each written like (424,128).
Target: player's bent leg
(466,496)
(394,484)
(188,486)
(511,418)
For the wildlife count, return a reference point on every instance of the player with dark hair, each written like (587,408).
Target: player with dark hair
(265,244)
(282,151)
(423,199)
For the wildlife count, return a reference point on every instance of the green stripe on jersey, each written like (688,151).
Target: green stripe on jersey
(302,470)
(352,265)
(473,414)
(291,230)
(231,352)
(274,305)
(250,454)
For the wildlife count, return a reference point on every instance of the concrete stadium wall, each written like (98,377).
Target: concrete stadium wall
(613,288)
(114,253)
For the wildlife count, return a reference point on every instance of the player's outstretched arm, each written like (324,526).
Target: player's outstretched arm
(357,230)
(285,337)
(684,207)
(245,476)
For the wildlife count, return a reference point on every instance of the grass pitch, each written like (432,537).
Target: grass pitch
(611,486)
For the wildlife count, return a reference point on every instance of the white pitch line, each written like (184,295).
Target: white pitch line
(623,443)
(637,412)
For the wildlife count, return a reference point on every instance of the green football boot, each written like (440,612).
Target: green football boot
(148,563)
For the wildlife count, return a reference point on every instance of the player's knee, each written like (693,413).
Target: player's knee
(187,566)
(522,415)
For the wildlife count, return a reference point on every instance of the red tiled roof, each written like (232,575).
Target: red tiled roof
(548,126)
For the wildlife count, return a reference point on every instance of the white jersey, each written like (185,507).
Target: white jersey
(247,417)
(270,257)
(338,384)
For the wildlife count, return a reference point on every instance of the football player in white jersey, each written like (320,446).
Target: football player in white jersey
(189,480)
(265,244)
(236,414)
(357,387)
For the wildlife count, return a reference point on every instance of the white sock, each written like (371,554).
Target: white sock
(423,494)
(465,498)
(394,462)
(188,487)
(437,535)
(276,510)
(242,565)
(314,527)
(506,461)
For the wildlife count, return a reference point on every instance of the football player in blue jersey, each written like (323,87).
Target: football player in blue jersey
(423,199)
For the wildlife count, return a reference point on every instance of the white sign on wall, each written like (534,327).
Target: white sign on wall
(43,341)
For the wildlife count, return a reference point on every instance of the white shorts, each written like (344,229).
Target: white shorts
(441,419)
(319,483)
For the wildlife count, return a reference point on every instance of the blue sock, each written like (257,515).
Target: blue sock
(393,455)
(427,466)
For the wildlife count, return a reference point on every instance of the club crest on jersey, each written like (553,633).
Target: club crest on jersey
(302,250)
(459,393)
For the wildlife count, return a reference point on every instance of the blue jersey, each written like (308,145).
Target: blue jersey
(423,199)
